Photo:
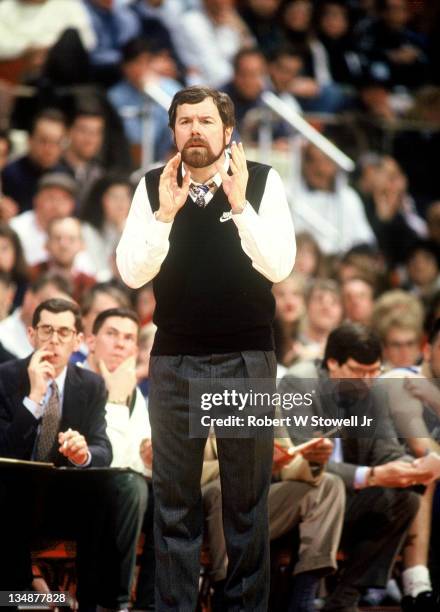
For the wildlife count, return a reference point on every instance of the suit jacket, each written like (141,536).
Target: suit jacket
(83,410)
(359,448)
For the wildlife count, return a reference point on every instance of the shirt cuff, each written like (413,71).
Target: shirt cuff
(161,229)
(37,410)
(83,465)
(360,477)
(241,219)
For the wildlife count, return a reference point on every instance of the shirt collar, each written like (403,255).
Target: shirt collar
(217,177)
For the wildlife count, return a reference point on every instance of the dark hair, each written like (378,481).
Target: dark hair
(51,278)
(57,305)
(245,53)
(134,48)
(87,107)
(123,313)
(48,114)
(434,332)
(92,210)
(196,94)
(112,288)
(19,271)
(355,341)
(284,50)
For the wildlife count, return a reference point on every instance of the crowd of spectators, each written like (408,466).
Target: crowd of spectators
(80,90)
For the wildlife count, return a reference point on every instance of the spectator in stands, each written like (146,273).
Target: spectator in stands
(84,142)
(423,269)
(365,263)
(5,148)
(417,150)
(433,219)
(308,260)
(374,469)
(326,207)
(113,348)
(8,207)
(153,18)
(64,243)
(261,16)
(114,25)
(12,261)
(221,33)
(393,48)
(134,106)
(54,198)
(46,142)
(401,337)
(285,65)
(315,91)
(323,314)
(7,291)
(391,212)
(31,28)
(13,329)
(299,497)
(334,32)
(358,300)
(250,71)
(103,214)
(245,89)
(414,400)
(101,296)
(289,297)
(145,303)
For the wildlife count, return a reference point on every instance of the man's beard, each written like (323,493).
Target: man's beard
(202,156)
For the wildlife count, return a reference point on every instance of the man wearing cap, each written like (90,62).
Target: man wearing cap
(55,197)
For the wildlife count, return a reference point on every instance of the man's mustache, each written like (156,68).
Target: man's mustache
(195,142)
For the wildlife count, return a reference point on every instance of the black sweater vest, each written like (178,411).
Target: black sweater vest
(209,298)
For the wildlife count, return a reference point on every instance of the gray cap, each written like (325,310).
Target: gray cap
(58,179)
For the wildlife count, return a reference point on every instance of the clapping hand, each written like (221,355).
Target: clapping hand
(234,185)
(171,196)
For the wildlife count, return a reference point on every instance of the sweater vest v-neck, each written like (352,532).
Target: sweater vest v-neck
(209,298)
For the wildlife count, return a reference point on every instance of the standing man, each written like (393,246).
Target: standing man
(214,231)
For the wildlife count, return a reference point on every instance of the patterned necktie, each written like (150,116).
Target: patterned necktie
(49,426)
(199,192)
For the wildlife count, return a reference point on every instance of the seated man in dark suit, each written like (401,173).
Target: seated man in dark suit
(53,411)
(373,466)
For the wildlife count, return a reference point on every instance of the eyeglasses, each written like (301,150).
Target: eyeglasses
(45,332)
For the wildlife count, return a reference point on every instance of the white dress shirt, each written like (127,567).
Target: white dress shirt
(267,237)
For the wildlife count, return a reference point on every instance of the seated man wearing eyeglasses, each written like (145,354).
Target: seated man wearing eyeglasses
(372,464)
(52,411)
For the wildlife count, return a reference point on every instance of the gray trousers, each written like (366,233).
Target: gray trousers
(318,511)
(245,472)
(375,526)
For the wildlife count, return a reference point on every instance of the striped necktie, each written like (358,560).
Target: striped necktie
(49,426)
